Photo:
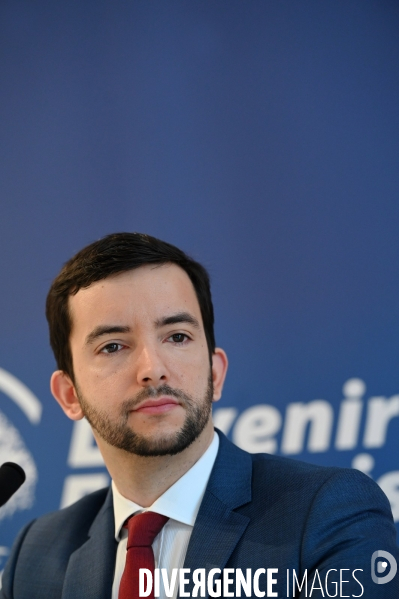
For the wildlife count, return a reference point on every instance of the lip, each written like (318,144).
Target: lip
(157,406)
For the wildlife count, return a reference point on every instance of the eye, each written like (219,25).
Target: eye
(178,338)
(111,348)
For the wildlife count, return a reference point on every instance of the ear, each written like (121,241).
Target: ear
(64,392)
(219,370)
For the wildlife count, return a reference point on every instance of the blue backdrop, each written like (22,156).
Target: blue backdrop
(262,138)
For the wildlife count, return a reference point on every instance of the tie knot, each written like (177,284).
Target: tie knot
(143,529)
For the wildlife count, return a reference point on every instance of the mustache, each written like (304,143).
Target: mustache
(153,393)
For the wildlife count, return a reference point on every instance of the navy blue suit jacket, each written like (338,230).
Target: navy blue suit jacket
(258,511)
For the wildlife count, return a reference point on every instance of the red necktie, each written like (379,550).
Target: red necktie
(143,529)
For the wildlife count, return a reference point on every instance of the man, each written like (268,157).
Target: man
(131,327)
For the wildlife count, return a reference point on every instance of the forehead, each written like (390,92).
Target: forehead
(150,291)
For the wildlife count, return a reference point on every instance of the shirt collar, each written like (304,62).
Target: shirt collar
(181,501)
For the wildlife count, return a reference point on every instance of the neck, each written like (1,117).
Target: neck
(144,479)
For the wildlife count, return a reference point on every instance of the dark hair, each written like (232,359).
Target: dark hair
(110,255)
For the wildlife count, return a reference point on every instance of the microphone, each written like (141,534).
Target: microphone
(12,477)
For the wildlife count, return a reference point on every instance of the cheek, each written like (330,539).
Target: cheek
(106,369)
(193,376)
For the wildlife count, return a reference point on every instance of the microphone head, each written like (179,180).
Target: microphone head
(12,476)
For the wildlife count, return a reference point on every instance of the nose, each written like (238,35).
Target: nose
(151,368)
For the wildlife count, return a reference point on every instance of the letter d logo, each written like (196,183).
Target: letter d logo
(381,567)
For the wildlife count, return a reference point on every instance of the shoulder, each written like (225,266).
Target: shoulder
(66,527)
(76,518)
(318,490)
(302,476)
(275,478)
(47,542)
(273,470)
(293,473)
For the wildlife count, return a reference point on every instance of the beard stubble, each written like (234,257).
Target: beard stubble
(120,435)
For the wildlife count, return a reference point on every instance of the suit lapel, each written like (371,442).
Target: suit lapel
(90,569)
(218,528)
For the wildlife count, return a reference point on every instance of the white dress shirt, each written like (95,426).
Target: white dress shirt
(180,503)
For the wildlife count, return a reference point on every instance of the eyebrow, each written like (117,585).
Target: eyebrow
(184,317)
(105,330)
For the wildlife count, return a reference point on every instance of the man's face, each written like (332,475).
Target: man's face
(141,362)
